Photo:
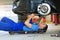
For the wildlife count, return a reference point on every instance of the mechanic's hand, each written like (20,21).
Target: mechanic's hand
(28,16)
(32,15)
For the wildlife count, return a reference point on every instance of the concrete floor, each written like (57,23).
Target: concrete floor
(6,10)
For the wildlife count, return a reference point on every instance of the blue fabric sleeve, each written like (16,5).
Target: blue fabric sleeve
(25,28)
(35,27)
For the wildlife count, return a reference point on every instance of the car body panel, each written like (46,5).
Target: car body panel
(30,6)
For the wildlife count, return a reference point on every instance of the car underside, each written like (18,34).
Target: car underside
(39,7)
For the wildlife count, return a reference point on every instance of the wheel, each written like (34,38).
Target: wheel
(44,9)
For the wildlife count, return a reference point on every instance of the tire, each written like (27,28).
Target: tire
(44,9)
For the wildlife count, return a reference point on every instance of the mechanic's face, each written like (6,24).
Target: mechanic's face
(42,25)
(35,19)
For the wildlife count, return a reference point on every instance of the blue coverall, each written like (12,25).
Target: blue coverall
(7,24)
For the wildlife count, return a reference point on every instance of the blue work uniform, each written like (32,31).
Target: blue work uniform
(34,27)
(7,24)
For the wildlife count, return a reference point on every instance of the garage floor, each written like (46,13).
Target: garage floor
(5,10)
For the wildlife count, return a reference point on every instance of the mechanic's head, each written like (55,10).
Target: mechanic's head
(42,25)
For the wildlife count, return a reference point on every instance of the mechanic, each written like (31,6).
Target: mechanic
(7,24)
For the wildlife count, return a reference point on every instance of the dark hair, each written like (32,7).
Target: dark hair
(45,28)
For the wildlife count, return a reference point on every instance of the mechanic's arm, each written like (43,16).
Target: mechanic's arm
(27,22)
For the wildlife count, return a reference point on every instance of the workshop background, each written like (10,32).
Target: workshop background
(51,20)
